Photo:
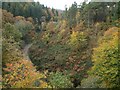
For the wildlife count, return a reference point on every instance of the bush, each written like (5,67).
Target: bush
(58,80)
(22,74)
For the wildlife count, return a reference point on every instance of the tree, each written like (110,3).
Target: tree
(57,14)
(32,9)
(58,80)
(48,15)
(10,32)
(78,17)
(118,12)
(72,15)
(53,11)
(7,17)
(78,40)
(22,74)
(10,51)
(106,60)
(25,27)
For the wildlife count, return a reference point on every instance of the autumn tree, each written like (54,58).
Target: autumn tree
(25,28)
(10,51)
(22,74)
(7,17)
(32,9)
(106,60)
(78,40)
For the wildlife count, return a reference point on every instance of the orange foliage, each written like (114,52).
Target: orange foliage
(22,74)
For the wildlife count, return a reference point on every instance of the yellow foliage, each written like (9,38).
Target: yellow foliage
(105,58)
(22,74)
(77,39)
(74,37)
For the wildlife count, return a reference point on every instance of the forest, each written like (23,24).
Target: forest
(44,47)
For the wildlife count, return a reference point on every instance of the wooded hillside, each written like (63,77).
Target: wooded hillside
(46,48)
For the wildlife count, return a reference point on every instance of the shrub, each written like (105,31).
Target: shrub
(58,80)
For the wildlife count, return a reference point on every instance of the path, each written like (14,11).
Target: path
(26,51)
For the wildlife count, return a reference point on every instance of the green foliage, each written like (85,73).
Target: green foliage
(61,45)
(10,32)
(91,13)
(118,10)
(11,41)
(48,17)
(25,9)
(58,80)
(31,9)
(25,28)
(57,49)
(49,57)
(105,58)
(71,15)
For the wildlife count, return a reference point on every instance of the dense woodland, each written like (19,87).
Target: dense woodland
(74,48)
